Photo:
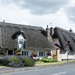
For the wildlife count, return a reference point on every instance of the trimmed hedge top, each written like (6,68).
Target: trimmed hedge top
(49,60)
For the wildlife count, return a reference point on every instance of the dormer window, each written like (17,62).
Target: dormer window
(21,40)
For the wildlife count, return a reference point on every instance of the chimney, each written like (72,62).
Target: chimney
(48,32)
(51,31)
(3,21)
(70,30)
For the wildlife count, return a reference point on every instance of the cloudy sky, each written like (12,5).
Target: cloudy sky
(60,13)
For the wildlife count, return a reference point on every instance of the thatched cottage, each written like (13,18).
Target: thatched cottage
(26,38)
(61,38)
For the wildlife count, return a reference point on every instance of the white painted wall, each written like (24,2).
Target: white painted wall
(31,51)
(59,55)
(71,55)
(56,40)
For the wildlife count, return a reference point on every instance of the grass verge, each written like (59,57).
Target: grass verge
(60,62)
(2,66)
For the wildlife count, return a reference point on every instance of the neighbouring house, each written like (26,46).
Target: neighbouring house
(27,39)
(61,38)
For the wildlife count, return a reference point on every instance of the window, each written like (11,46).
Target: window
(25,53)
(41,53)
(21,41)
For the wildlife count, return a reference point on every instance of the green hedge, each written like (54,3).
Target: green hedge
(49,60)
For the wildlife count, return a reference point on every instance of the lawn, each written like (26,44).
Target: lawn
(3,66)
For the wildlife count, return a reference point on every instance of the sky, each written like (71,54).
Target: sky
(54,13)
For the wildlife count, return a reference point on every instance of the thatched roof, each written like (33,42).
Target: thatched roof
(35,37)
(65,36)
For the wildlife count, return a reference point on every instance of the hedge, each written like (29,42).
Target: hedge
(49,60)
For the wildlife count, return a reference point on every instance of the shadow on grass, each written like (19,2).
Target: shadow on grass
(2,64)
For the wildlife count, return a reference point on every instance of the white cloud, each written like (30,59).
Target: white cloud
(70,12)
(11,13)
(48,11)
(39,7)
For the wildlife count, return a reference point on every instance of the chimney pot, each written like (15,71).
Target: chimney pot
(70,30)
(47,26)
(3,21)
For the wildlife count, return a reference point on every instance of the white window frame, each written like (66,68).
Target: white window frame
(25,53)
(43,53)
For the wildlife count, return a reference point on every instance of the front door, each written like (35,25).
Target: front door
(10,52)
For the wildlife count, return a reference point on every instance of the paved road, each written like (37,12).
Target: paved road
(58,70)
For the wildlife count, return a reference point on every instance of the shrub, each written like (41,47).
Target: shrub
(28,61)
(49,60)
(18,61)
(2,52)
(13,61)
(1,60)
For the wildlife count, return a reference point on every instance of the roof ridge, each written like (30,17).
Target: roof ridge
(61,29)
(20,25)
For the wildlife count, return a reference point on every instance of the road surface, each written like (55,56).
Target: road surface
(58,70)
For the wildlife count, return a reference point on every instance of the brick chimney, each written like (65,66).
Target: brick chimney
(48,32)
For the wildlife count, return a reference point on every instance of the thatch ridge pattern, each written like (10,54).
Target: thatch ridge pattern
(65,36)
(35,37)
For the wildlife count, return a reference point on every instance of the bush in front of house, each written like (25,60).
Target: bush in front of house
(1,60)
(2,52)
(28,61)
(49,60)
(18,61)
(12,61)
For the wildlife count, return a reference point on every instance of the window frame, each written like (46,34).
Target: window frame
(25,53)
(41,53)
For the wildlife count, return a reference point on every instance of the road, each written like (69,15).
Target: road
(58,70)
